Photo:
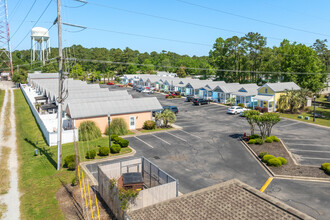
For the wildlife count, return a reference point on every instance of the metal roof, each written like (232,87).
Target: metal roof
(251,90)
(282,86)
(263,97)
(103,108)
(42,75)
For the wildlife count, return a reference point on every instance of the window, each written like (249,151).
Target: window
(266,90)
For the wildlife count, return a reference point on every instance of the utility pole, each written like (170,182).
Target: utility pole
(60,84)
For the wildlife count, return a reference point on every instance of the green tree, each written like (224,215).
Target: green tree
(166,117)
(181,72)
(271,119)
(76,71)
(250,119)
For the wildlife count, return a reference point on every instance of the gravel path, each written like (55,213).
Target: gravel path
(12,197)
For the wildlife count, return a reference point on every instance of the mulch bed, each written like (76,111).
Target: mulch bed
(290,169)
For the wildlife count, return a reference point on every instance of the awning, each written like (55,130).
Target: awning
(40,98)
(263,98)
(48,106)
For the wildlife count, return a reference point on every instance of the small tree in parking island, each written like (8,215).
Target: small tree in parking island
(266,122)
(250,119)
(166,117)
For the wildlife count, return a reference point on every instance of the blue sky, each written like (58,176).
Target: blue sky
(127,29)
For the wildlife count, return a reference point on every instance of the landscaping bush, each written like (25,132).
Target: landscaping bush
(262,154)
(254,136)
(267,157)
(71,166)
(67,160)
(274,162)
(113,136)
(283,160)
(241,105)
(252,141)
(115,148)
(90,154)
(259,141)
(124,143)
(104,151)
(149,125)
(269,140)
(88,131)
(117,140)
(118,126)
(170,97)
(178,96)
(325,165)
(327,170)
(264,110)
(275,139)
(257,108)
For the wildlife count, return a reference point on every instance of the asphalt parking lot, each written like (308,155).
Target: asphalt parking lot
(207,151)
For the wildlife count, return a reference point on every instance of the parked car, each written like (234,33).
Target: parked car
(200,102)
(110,83)
(317,115)
(154,113)
(174,109)
(190,99)
(236,110)
(147,91)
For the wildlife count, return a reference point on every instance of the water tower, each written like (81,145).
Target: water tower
(40,44)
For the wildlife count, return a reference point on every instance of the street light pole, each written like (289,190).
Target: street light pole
(109,120)
(314,108)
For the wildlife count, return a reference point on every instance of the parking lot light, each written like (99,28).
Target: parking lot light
(314,108)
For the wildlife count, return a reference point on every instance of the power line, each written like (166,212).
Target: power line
(36,24)
(27,14)
(190,68)
(180,21)
(17,5)
(252,19)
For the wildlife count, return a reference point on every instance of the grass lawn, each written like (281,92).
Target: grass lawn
(319,121)
(38,179)
(322,99)
(157,129)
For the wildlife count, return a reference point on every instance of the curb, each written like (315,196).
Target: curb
(290,154)
(277,176)
(90,175)
(270,173)
(321,126)
(175,127)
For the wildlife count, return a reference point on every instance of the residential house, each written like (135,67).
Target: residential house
(225,91)
(245,94)
(269,94)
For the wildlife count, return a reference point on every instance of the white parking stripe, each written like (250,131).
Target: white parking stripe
(314,145)
(144,142)
(294,123)
(176,136)
(160,139)
(314,158)
(316,151)
(190,134)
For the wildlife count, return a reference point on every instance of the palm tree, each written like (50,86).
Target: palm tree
(166,117)
(84,75)
(293,100)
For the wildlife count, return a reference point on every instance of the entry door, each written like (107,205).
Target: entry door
(132,122)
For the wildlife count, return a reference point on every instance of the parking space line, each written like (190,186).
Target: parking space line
(190,134)
(176,136)
(294,123)
(264,187)
(160,139)
(314,145)
(314,158)
(144,142)
(317,151)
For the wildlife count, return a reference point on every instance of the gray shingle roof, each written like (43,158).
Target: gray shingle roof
(103,108)
(42,75)
(229,200)
(282,86)
(251,90)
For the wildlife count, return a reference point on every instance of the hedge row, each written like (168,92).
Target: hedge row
(326,168)
(256,139)
(271,160)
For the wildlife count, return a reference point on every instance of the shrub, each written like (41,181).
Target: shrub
(254,136)
(267,157)
(149,125)
(74,181)
(170,97)
(275,139)
(104,151)
(113,136)
(257,108)
(118,126)
(67,160)
(264,110)
(115,148)
(252,141)
(259,141)
(90,154)
(327,170)
(269,140)
(283,160)
(241,105)
(88,131)
(117,140)
(178,96)
(124,143)
(325,165)
(262,154)
(71,166)
(274,162)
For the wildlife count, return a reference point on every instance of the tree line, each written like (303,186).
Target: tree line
(245,59)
